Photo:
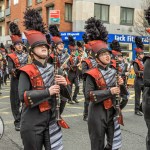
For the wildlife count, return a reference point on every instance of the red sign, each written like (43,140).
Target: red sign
(54,16)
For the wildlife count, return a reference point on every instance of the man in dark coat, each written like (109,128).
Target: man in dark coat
(146,92)
(15,61)
(138,69)
(38,88)
(101,89)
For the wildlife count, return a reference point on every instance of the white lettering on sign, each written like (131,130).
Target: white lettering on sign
(63,34)
(145,39)
(120,38)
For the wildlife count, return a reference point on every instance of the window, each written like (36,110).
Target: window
(16,2)
(7,3)
(29,2)
(48,14)
(127,16)
(101,12)
(68,12)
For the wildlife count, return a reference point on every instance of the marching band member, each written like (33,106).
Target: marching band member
(138,69)
(101,88)
(146,93)
(117,56)
(37,90)
(15,60)
(57,43)
(87,63)
(73,73)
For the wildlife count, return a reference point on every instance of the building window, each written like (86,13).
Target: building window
(7,3)
(16,2)
(48,14)
(127,16)
(29,2)
(68,12)
(101,12)
(38,1)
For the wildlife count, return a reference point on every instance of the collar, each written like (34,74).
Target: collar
(36,62)
(102,68)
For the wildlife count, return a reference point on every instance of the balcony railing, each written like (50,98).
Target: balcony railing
(7,11)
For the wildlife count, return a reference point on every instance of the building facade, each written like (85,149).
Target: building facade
(13,10)
(118,16)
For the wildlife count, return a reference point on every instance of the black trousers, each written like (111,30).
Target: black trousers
(138,88)
(35,129)
(86,102)
(100,124)
(74,79)
(14,100)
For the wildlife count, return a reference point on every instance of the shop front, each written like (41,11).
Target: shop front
(126,42)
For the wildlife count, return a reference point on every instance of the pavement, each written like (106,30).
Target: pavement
(76,138)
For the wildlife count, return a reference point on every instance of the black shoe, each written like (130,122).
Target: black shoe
(76,101)
(17,128)
(85,118)
(138,113)
(71,102)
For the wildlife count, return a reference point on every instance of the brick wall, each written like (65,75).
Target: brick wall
(18,9)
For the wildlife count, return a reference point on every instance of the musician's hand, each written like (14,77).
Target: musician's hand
(127,73)
(120,81)
(115,90)
(65,66)
(54,89)
(60,80)
(13,72)
(78,64)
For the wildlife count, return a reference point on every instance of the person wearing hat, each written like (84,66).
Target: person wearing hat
(117,54)
(15,61)
(4,54)
(87,63)
(146,81)
(101,88)
(58,45)
(138,69)
(122,69)
(38,89)
(73,72)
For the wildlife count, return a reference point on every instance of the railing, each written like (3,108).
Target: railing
(7,11)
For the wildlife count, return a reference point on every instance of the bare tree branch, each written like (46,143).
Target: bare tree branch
(140,23)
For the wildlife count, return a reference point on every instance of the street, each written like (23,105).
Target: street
(76,138)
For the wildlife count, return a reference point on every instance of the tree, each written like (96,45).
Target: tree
(140,22)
